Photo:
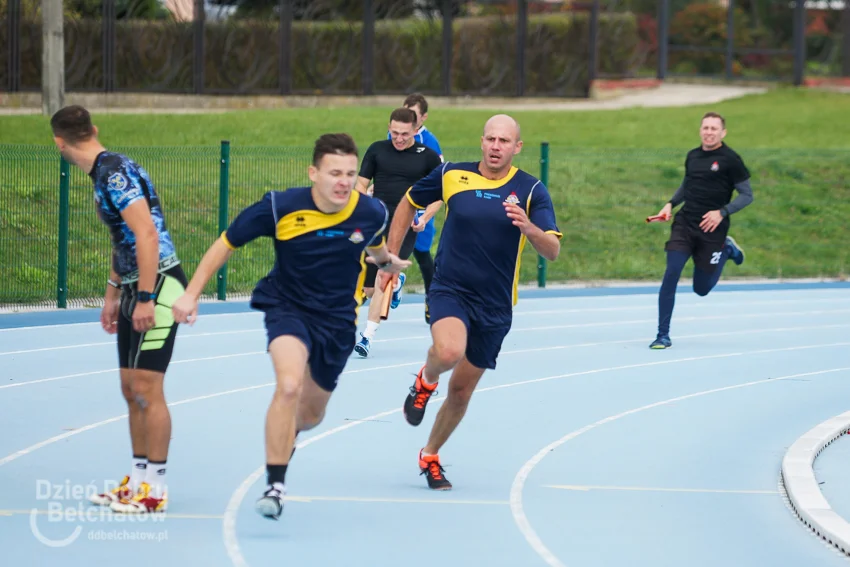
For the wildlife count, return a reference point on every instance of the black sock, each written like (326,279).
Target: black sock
(276,474)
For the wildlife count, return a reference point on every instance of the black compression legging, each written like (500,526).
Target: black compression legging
(426,266)
(703,284)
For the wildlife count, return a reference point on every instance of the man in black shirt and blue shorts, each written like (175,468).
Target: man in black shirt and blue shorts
(393,166)
(700,229)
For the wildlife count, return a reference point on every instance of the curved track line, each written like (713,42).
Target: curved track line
(32,448)
(231,542)
(519,480)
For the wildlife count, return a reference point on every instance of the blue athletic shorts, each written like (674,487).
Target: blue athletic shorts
(484,332)
(329,345)
(425,239)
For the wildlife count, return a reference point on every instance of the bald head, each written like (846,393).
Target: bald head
(501,124)
(499,144)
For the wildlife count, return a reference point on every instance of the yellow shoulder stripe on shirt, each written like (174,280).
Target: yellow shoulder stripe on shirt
(459,180)
(298,223)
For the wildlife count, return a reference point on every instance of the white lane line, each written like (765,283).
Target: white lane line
(522,476)
(682,302)
(231,541)
(540,349)
(589,487)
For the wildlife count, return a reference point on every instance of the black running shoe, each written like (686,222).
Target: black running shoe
(433,471)
(417,399)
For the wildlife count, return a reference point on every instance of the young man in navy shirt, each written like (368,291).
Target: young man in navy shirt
(321,235)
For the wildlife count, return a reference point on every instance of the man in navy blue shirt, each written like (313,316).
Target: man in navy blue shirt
(145,274)
(321,235)
(494,208)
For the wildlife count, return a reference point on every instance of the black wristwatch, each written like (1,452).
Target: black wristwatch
(385,265)
(146,296)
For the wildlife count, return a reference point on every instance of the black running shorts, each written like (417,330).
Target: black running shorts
(705,247)
(150,350)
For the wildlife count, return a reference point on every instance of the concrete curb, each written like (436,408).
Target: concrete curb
(801,485)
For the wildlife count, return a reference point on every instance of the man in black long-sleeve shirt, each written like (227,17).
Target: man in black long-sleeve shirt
(700,228)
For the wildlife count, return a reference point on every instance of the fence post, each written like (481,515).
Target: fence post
(544,178)
(223,194)
(799,39)
(64,205)
(845,40)
(730,40)
(663,38)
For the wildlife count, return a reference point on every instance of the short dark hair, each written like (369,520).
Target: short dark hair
(339,144)
(403,115)
(417,98)
(72,124)
(715,115)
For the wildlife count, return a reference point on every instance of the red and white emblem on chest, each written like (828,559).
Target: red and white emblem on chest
(512,199)
(715,166)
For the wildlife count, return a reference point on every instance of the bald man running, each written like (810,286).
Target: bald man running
(493,209)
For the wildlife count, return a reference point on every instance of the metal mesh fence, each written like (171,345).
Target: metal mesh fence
(796,227)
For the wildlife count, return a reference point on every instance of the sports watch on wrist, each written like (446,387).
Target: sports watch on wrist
(385,265)
(145,296)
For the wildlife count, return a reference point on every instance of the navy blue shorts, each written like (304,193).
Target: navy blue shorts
(329,346)
(484,335)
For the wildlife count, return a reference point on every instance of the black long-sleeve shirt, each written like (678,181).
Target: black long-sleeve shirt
(710,178)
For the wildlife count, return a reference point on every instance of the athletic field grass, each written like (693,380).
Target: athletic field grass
(608,171)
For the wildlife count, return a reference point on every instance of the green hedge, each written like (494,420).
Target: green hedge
(243,56)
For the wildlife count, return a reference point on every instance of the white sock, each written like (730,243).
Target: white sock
(139,469)
(427,379)
(371,329)
(156,479)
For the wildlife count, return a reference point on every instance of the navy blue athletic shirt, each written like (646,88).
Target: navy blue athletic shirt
(320,262)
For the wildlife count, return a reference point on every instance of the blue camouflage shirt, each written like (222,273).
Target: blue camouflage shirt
(118,183)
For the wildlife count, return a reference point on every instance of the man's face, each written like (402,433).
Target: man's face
(711,132)
(420,119)
(335,177)
(499,145)
(401,134)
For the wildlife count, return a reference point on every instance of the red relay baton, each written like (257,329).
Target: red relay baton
(657,218)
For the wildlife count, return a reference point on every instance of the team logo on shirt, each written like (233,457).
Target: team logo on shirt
(512,199)
(715,166)
(356,237)
(116,182)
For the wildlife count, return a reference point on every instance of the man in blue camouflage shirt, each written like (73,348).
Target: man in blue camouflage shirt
(145,279)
